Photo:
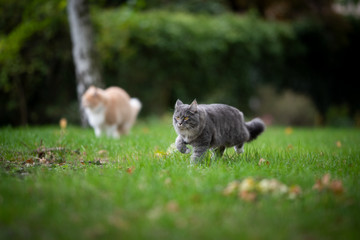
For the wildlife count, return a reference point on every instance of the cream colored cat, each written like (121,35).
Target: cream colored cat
(110,111)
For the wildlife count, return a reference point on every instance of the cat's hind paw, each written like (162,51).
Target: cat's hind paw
(239,149)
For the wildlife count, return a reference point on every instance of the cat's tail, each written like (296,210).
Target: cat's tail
(255,127)
(135,105)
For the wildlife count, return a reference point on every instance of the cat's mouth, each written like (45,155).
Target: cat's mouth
(183,127)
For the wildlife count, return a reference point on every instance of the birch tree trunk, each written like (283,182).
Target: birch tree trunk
(82,36)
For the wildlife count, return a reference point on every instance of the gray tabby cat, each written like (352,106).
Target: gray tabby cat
(213,126)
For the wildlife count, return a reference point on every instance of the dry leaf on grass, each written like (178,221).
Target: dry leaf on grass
(63,123)
(272,186)
(248,196)
(248,184)
(322,183)
(336,187)
(160,154)
(325,183)
(250,189)
(130,170)
(294,191)
(263,161)
(30,161)
(288,130)
(231,188)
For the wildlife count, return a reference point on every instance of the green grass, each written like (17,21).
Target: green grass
(136,191)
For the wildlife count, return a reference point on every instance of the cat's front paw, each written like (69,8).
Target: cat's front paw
(181,146)
(184,150)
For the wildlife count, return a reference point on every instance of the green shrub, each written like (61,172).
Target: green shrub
(286,107)
(37,74)
(160,56)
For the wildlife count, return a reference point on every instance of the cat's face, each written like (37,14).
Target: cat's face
(186,117)
(92,98)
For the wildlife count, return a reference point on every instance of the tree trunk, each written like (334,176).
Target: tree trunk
(82,36)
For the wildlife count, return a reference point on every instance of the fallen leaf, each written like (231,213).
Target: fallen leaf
(322,183)
(263,161)
(264,186)
(272,186)
(130,170)
(63,123)
(338,144)
(231,188)
(160,154)
(326,179)
(325,183)
(30,161)
(247,184)
(318,185)
(288,130)
(247,196)
(336,187)
(294,191)
(43,161)
(250,189)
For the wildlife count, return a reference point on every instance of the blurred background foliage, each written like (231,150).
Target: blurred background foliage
(293,62)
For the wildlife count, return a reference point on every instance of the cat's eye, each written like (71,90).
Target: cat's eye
(177,118)
(186,118)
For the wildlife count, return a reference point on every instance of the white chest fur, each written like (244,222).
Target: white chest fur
(96,116)
(186,135)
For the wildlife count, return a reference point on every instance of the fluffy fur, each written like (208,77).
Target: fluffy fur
(110,111)
(214,126)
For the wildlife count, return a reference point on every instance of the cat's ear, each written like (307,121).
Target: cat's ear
(193,106)
(178,103)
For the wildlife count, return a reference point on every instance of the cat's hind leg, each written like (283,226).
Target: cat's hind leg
(125,128)
(111,131)
(239,148)
(218,152)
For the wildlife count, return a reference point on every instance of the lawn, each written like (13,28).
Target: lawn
(66,184)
